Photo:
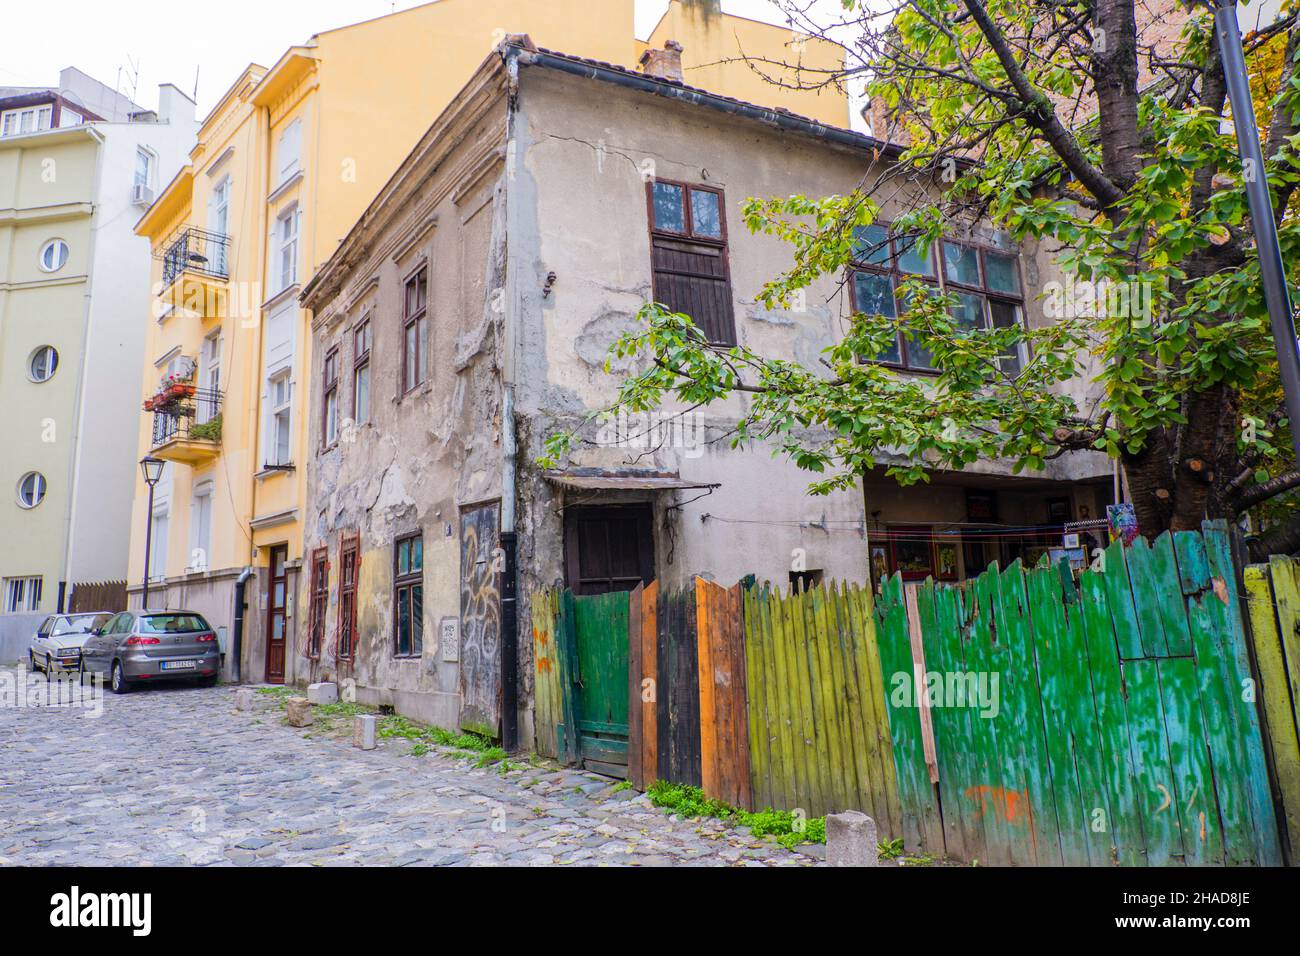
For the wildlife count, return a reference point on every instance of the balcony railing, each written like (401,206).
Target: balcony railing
(191,417)
(197,250)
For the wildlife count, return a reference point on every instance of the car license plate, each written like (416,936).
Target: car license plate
(179,665)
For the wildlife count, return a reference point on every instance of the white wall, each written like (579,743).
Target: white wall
(106,467)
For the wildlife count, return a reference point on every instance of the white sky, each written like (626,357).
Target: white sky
(112,40)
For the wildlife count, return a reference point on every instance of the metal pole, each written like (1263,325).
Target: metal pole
(148,542)
(1276,296)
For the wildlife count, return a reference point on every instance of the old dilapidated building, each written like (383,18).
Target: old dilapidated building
(469,313)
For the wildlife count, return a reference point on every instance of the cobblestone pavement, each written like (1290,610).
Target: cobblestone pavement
(175,775)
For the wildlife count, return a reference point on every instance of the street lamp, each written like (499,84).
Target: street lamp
(1276,297)
(152,469)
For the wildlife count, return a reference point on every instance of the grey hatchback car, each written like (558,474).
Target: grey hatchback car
(144,647)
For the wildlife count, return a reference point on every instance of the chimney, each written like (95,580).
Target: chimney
(666,64)
(173,105)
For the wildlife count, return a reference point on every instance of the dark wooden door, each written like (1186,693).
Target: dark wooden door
(608,547)
(481,564)
(277,595)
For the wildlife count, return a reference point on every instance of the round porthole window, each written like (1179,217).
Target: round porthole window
(53,255)
(43,363)
(31,489)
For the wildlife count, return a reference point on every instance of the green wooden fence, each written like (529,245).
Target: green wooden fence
(1036,721)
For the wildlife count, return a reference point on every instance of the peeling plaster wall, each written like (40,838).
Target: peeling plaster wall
(422,455)
(579,199)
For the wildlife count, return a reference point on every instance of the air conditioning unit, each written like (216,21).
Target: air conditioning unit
(141,194)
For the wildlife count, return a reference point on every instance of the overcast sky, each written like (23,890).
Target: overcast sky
(167,41)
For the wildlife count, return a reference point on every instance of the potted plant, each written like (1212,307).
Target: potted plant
(209,430)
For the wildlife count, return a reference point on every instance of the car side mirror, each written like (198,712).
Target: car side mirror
(96,631)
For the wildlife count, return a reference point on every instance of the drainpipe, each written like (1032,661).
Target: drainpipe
(237,641)
(509,449)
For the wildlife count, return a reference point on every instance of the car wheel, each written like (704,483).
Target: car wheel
(81,671)
(49,669)
(31,661)
(210,681)
(118,680)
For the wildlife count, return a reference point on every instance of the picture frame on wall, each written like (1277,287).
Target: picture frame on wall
(981,506)
(913,552)
(945,558)
(879,563)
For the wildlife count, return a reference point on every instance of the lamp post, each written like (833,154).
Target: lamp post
(152,469)
(1276,297)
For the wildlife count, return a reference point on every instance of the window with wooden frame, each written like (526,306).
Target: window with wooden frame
(349,550)
(330,410)
(415,330)
(408,596)
(688,249)
(986,282)
(320,595)
(361,372)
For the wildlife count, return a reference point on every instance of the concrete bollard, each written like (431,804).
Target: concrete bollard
(244,698)
(851,839)
(364,728)
(299,711)
(324,693)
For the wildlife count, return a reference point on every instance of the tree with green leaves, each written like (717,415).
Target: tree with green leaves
(1094,127)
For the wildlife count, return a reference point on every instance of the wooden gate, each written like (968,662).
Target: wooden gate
(1038,721)
(590,641)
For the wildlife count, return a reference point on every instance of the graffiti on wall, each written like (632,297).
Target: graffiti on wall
(480,619)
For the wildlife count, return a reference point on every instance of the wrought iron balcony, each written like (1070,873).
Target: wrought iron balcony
(199,251)
(187,424)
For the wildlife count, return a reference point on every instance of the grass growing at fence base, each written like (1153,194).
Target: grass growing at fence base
(470,746)
(688,801)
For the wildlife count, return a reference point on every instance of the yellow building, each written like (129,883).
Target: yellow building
(284,164)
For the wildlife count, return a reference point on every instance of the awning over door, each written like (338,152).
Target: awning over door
(592,478)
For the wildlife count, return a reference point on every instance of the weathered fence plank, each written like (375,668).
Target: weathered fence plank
(1122,727)
(1277,656)
(546,684)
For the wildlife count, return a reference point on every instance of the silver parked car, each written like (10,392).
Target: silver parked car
(143,647)
(56,645)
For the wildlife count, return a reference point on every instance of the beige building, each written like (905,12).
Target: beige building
(284,164)
(78,164)
(469,313)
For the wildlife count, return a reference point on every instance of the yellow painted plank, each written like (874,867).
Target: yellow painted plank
(1277,699)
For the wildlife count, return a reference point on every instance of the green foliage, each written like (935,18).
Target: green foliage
(1197,326)
(891,849)
(689,802)
(476,747)
(209,430)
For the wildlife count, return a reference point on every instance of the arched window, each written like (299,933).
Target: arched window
(53,255)
(43,363)
(31,489)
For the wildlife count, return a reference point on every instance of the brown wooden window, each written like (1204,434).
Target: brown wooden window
(986,282)
(330,411)
(320,595)
(361,372)
(608,547)
(688,240)
(348,552)
(408,595)
(415,330)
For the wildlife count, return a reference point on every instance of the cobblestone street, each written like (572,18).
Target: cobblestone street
(175,775)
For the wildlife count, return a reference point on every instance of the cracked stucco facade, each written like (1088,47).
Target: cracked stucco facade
(526,178)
